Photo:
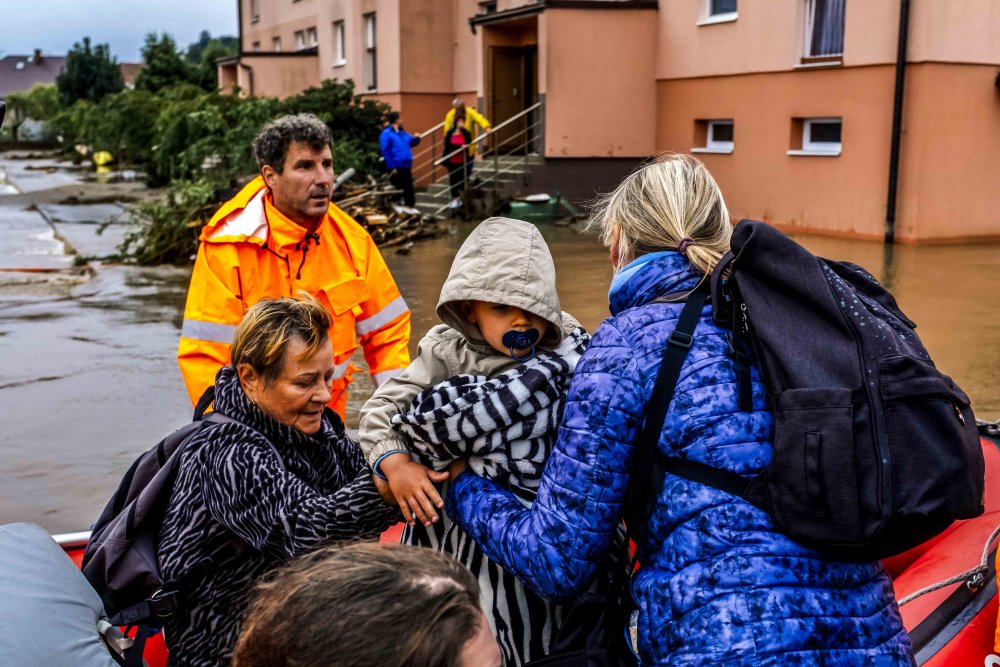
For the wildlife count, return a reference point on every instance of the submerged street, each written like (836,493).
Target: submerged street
(89,377)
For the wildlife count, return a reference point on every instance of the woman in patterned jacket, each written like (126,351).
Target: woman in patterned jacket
(284,478)
(718,584)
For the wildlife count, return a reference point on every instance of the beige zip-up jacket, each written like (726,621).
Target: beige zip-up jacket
(503,261)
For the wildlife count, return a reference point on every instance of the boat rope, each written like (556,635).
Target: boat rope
(989,428)
(974,578)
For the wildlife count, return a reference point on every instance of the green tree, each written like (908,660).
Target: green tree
(206,73)
(89,74)
(127,126)
(354,123)
(196,51)
(163,65)
(39,103)
(81,123)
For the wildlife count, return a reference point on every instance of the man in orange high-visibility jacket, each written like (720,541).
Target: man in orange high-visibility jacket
(281,235)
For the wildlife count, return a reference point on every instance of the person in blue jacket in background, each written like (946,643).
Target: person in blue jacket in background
(396,144)
(718,584)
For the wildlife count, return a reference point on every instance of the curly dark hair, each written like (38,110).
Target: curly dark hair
(271,145)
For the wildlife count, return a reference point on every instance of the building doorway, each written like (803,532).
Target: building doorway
(513,87)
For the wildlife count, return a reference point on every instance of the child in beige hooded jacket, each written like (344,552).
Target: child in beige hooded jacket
(502,279)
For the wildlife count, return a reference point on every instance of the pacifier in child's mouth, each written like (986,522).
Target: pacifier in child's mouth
(518,340)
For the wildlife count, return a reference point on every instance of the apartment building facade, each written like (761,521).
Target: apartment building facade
(791,103)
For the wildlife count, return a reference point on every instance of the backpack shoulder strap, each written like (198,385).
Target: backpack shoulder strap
(206,400)
(722,298)
(678,344)
(650,465)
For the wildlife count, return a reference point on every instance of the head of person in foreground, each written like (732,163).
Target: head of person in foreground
(368,605)
(672,203)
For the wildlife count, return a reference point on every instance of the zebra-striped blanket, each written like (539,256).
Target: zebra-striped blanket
(505,426)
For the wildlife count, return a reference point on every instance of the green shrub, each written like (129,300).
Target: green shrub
(165,231)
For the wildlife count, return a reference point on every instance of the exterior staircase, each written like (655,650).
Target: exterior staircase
(512,178)
(503,166)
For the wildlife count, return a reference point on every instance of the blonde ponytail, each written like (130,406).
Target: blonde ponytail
(659,205)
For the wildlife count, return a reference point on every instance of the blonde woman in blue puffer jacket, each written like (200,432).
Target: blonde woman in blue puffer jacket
(718,584)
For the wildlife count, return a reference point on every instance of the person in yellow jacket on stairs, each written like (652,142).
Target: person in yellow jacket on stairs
(281,235)
(471,116)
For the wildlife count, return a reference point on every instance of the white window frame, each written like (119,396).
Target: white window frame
(276,44)
(300,40)
(708,18)
(821,148)
(254,11)
(371,52)
(312,37)
(339,44)
(711,144)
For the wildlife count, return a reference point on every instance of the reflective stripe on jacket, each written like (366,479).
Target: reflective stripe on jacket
(249,250)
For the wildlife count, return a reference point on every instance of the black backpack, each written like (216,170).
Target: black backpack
(120,560)
(875,451)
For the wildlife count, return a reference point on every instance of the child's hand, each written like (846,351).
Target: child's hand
(413,486)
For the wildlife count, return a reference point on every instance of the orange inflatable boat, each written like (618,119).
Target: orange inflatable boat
(954,624)
(950,624)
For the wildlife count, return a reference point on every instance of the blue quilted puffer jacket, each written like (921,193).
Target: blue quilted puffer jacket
(718,585)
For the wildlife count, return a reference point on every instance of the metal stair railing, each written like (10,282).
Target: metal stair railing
(426,156)
(493,177)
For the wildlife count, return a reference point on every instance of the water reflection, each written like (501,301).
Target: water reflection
(89,374)
(950,292)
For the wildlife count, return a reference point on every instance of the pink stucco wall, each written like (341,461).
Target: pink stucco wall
(838,195)
(950,154)
(596,68)
(768,36)
(278,77)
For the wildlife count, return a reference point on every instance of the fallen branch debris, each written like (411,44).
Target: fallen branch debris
(390,224)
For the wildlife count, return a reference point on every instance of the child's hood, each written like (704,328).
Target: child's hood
(503,261)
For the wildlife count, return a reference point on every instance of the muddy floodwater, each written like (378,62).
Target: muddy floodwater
(88,376)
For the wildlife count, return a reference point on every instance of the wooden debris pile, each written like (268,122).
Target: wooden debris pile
(395,226)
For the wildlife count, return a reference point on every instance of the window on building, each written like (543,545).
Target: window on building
(816,136)
(371,61)
(713,136)
(312,39)
(824,30)
(718,11)
(339,44)
(487,7)
(720,135)
(254,11)
(275,43)
(256,46)
(717,7)
(300,40)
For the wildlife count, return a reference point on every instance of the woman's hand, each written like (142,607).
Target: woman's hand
(413,487)
(384,490)
(457,467)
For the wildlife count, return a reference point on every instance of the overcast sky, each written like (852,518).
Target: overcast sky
(54,25)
